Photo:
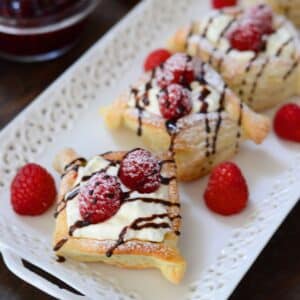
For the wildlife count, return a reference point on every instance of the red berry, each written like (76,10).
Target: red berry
(287,122)
(227,191)
(100,198)
(175,102)
(156,58)
(247,35)
(32,190)
(177,69)
(140,171)
(263,16)
(223,3)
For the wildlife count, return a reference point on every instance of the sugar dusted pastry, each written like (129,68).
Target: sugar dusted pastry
(289,8)
(184,107)
(256,52)
(121,209)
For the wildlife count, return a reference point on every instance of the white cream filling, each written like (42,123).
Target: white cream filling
(128,212)
(273,43)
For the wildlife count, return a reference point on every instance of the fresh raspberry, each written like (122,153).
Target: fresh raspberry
(156,58)
(140,171)
(227,191)
(32,190)
(247,35)
(223,3)
(287,122)
(177,69)
(263,16)
(100,198)
(175,102)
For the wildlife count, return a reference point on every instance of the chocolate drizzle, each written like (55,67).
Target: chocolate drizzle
(59,244)
(208,24)
(221,61)
(247,70)
(74,165)
(62,204)
(139,109)
(204,93)
(138,225)
(285,44)
(219,120)
(222,34)
(60,259)
(166,180)
(81,160)
(258,76)
(290,71)
(145,102)
(171,127)
(77,225)
(73,193)
(153,200)
(238,134)
(190,33)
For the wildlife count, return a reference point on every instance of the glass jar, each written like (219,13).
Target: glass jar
(36,30)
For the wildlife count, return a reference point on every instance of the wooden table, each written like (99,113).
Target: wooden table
(275,274)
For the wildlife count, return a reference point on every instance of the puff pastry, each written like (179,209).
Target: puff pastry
(209,134)
(289,8)
(261,79)
(131,247)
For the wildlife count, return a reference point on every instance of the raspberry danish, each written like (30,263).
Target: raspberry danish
(256,52)
(183,107)
(120,208)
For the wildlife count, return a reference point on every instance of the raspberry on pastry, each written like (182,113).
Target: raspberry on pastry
(177,69)
(247,35)
(195,117)
(289,8)
(109,211)
(175,102)
(263,16)
(140,170)
(100,198)
(256,52)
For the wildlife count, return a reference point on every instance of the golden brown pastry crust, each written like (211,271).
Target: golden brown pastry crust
(190,143)
(132,254)
(261,83)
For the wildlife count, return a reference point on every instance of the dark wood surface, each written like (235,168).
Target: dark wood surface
(275,274)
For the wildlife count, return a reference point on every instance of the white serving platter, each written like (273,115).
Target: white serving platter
(218,250)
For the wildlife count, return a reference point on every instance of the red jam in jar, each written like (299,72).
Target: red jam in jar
(34,30)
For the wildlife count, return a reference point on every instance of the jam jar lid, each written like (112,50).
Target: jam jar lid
(21,17)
